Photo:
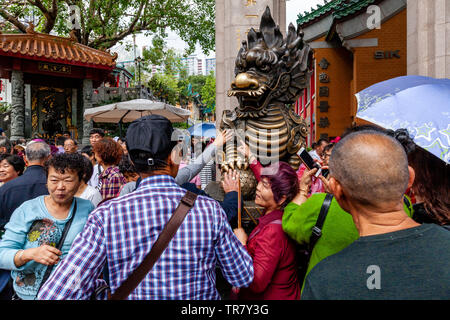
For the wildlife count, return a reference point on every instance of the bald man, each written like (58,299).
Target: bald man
(395,257)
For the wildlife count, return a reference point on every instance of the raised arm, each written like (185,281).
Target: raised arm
(187,173)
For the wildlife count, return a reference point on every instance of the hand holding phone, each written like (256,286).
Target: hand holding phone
(309,162)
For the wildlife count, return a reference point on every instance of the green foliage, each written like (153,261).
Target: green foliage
(103,23)
(208,92)
(112,100)
(197,82)
(4,107)
(180,125)
(167,58)
(164,87)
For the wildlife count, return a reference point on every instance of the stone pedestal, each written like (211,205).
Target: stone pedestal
(233,21)
(17,106)
(87,103)
(428,36)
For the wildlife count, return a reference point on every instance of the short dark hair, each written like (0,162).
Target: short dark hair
(87,150)
(66,161)
(60,140)
(5,143)
(74,141)
(15,161)
(328,147)
(100,131)
(126,166)
(88,170)
(319,142)
(140,158)
(364,127)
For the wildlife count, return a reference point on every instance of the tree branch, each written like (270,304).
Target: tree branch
(50,16)
(113,40)
(10,18)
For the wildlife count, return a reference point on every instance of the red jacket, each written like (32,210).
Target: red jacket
(274,263)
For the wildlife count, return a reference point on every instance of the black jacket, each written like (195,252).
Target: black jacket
(32,184)
(229,203)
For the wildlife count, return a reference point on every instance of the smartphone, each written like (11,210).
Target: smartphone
(309,161)
(325,172)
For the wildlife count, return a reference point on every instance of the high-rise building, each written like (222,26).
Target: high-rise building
(210,65)
(199,66)
(190,63)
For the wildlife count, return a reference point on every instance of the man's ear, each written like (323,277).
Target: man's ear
(173,161)
(336,190)
(176,155)
(25,159)
(412,176)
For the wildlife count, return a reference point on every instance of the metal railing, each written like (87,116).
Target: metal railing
(103,94)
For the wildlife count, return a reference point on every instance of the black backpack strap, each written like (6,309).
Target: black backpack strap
(407,203)
(66,229)
(317,229)
(138,182)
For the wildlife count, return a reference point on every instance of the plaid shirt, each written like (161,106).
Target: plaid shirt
(111,181)
(123,230)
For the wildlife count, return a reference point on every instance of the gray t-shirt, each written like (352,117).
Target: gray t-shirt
(92,194)
(411,264)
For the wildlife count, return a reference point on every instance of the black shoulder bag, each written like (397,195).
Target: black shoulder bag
(304,252)
(49,269)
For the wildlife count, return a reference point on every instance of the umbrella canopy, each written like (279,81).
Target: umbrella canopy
(204,129)
(128,111)
(419,104)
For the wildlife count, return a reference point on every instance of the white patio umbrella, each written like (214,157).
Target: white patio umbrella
(128,111)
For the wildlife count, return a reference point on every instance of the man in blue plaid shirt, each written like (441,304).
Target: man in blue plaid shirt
(123,230)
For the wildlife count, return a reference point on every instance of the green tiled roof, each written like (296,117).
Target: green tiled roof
(351,7)
(338,8)
(321,10)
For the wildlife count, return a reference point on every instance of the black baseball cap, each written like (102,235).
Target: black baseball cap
(152,134)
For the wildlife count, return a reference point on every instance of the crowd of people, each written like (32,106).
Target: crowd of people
(77,219)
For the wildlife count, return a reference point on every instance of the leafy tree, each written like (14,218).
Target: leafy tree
(164,87)
(103,23)
(208,92)
(168,58)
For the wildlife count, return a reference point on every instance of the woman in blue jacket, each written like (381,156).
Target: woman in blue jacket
(28,246)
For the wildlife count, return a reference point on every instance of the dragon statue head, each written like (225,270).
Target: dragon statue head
(270,68)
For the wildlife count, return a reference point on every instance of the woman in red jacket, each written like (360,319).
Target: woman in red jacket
(273,252)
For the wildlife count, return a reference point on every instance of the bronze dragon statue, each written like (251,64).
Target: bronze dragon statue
(271,73)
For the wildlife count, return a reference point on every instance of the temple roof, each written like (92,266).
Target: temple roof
(338,8)
(45,47)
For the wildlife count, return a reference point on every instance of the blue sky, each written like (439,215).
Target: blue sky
(294,7)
